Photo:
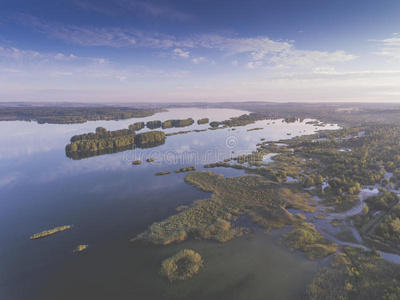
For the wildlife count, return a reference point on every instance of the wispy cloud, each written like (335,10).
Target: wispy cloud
(388,47)
(144,9)
(181,53)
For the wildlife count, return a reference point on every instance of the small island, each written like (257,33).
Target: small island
(136,162)
(181,266)
(103,141)
(50,232)
(177,123)
(187,169)
(150,159)
(80,248)
(203,121)
(162,173)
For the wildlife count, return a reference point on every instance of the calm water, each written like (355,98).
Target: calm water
(108,200)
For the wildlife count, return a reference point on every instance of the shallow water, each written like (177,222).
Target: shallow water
(107,199)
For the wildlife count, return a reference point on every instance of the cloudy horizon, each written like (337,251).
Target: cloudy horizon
(180,51)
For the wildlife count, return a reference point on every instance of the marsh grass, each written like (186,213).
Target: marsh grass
(181,266)
(265,202)
(49,232)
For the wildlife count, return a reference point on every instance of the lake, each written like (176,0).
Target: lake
(108,201)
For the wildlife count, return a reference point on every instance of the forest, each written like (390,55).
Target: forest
(90,144)
(72,115)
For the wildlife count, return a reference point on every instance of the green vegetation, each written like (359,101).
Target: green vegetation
(136,162)
(162,173)
(183,265)
(150,159)
(306,238)
(242,120)
(50,232)
(205,181)
(90,144)
(71,115)
(263,201)
(150,137)
(356,274)
(136,126)
(253,129)
(179,132)
(153,124)
(177,123)
(80,248)
(187,169)
(203,121)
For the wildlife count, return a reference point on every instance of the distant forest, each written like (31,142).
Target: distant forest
(72,115)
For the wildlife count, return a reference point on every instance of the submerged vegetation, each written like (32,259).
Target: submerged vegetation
(50,232)
(181,266)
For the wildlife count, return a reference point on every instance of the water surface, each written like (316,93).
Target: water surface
(108,200)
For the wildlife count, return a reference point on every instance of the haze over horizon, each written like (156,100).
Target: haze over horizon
(188,51)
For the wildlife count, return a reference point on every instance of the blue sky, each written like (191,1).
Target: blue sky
(199,50)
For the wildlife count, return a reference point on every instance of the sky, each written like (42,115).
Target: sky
(199,50)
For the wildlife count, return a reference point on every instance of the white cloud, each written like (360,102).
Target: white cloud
(309,58)
(181,53)
(388,47)
(261,48)
(199,59)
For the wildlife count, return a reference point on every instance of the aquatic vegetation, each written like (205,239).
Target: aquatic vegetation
(136,162)
(306,238)
(253,129)
(264,201)
(179,132)
(186,169)
(181,266)
(50,232)
(162,173)
(205,181)
(81,248)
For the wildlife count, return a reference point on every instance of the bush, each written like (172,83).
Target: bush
(183,265)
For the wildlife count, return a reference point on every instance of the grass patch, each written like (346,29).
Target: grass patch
(50,232)
(181,266)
